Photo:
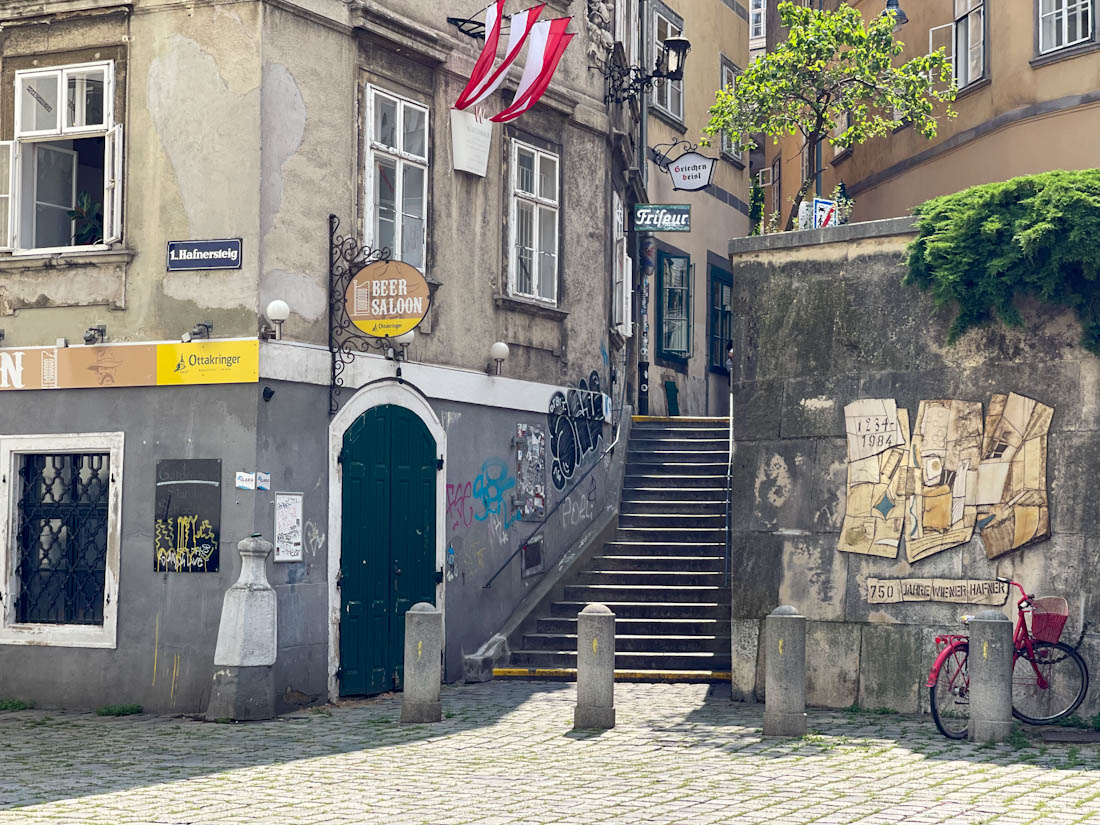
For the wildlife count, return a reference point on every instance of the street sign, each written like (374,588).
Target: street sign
(662,217)
(824,213)
(218,254)
(691,171)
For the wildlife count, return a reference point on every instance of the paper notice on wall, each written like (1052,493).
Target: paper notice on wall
(288,527)
(956,591)
(872,427)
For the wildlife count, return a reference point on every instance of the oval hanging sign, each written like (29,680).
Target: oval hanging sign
(387,299)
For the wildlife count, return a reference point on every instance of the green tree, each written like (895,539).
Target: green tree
(833,68)
(756,207)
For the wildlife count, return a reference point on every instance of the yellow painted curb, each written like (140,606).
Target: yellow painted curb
(620,675)
(673,418)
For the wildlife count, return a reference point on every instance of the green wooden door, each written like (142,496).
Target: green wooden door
(388,543)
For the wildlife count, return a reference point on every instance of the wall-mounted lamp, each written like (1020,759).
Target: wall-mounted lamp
(626,82)
(96,334)
(272,326)
(499,353)
(201,330)
(900,17)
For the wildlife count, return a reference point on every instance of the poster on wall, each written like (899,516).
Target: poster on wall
(531,471)
(288,527)
(187,515)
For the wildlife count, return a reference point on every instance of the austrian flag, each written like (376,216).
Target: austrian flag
(546,41)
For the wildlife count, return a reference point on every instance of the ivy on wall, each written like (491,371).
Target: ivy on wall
(1039,235)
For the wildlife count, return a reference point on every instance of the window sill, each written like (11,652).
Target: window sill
(973,87)
(1065,53)
(841,156)
(736,161)
(669,118)
(672,362)
(31,259)
(525,305)
(60,635)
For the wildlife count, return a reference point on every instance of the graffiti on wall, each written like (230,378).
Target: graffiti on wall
(580,506)
(530,446)
(954,475)
(460,508)
(575,419)
(187,505)
(490,489)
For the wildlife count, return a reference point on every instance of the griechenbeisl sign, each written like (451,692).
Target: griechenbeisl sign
(691,171)
(387,298)
(662,217)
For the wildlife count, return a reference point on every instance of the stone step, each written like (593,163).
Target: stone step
(665,457)
(643,626)
(635,494)
(646,610)
(631,644)
(677,469)
(651,441)
(655,563)
(672,508)
(675,521)
(649,660)
(687,549)
(635,479)
(672,535)
(653,578)
(605,593)
(699,432)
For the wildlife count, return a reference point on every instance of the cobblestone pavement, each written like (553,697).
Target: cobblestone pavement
(505,754)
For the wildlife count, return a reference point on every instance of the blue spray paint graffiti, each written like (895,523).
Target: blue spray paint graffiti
(490,489)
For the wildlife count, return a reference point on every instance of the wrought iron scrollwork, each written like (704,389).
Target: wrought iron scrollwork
(662,151)
(346,258)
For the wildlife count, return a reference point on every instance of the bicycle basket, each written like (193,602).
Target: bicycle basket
(1048,617)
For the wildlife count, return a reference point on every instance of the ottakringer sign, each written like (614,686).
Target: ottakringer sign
(691,171)
(387,299)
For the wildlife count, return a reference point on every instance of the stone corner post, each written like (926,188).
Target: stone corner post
(785,673)
(423,664)
(244,659)
(989,664)
(595,668)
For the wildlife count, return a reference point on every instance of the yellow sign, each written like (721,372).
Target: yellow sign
(387,299)
(209,362)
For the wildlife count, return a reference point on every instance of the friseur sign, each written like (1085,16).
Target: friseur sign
(219,254)
(662,217)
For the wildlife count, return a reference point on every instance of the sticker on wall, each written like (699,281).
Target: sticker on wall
(531,471)
(263,481)
(246,481)
(288,527)
(187,508)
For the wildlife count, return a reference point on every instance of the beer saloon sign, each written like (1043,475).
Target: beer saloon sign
(386,299)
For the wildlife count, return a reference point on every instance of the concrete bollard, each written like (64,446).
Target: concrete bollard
(785,673)
(423,664)
(595,668)
(244,659)
(989,663)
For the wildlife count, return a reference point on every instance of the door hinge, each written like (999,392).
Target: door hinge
(439,464)
(339,673)
(340,578)
(340,457)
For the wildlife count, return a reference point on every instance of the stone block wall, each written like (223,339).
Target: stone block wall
(822,319)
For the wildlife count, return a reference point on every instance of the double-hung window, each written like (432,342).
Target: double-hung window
(674,310)
(61,175)
(757,10)
(969,41)
(534,223)
(622,264)
(1064,23)
(397,176)
(721,316)
(668,95)
(626,28)
(59,547)
(729,78)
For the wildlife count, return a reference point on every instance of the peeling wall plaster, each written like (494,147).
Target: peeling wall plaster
(284,125)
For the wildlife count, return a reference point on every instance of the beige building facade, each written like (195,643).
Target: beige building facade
(1027,73)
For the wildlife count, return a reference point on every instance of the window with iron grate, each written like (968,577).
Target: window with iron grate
(61,537)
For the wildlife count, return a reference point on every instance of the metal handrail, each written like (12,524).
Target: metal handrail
(729,478)
(554,509)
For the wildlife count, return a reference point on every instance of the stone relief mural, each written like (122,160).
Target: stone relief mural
(955,475)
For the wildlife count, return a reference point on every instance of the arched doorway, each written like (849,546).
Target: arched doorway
(388,542)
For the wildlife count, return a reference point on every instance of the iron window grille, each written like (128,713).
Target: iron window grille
(61,536)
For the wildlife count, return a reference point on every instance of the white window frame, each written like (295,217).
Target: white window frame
(729,79)
(1062,15)
(59,635)
(540,206)
(964,11)
(622,284)
(665,87)
(12,235)
(401,159)
(757,17)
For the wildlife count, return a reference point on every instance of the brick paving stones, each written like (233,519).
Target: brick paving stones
(505,754)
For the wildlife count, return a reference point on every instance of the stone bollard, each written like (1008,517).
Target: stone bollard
(423,664)
(595,668)
(989,663)
(785,673)
(244,659)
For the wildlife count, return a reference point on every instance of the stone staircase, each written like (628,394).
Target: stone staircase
(663,574)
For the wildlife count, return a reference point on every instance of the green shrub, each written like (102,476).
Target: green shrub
(14,704)
(981,248)
(119,710)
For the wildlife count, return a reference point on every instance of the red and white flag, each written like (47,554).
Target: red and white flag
(548,41)
(484,80)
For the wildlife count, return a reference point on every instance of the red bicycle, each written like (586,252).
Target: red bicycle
(1049,678)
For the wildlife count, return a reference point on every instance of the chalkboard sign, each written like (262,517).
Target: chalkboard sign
(188,515)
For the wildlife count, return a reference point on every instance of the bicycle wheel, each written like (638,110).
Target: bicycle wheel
(1066,677)
(949,698)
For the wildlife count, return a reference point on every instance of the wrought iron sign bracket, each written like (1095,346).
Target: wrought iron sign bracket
(662,151)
